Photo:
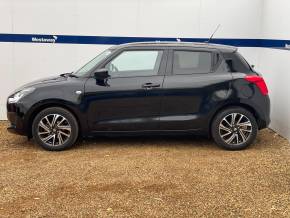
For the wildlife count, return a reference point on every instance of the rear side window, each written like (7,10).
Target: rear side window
(236,63)
(191,62)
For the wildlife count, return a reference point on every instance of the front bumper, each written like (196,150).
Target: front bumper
(16,119)
(12,129)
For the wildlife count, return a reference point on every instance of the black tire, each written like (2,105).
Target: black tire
(240,143)
(72,129)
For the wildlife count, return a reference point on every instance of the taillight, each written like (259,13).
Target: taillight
(259,82)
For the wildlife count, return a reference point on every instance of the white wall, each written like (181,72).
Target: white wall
(275,64)
(23,62)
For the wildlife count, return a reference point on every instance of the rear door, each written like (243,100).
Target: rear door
(130,99)
(196,82)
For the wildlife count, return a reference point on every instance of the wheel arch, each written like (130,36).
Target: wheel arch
(245,106)
(48,104)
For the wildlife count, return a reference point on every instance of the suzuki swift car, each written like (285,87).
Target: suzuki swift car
(146,88)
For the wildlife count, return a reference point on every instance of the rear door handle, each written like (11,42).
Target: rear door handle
(150,85)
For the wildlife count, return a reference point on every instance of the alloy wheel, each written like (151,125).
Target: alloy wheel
(235,129)
(54,130)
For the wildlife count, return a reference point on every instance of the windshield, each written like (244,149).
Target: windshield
(91,64)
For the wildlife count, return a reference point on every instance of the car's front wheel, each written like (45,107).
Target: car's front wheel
(234,128)
(55,129)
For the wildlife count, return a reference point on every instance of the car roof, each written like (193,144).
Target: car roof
(223,48)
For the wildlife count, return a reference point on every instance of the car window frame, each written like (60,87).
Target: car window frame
(162,67)
(238,58)
(169,69)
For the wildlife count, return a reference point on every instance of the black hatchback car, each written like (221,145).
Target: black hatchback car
(147,88)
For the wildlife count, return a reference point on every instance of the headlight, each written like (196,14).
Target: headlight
(17,96)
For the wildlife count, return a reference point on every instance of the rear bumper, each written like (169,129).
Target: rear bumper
(264,114)
(263,123)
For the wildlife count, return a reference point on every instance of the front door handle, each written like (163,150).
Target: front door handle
(150,85)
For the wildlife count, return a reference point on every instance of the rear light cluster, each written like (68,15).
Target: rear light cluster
(259,82)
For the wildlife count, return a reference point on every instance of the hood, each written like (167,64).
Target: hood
(42,81)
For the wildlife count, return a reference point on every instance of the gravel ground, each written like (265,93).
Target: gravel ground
(145,177)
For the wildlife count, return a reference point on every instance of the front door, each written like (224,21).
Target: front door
(130,99)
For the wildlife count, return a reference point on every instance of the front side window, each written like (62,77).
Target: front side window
(135,63)
(191,62)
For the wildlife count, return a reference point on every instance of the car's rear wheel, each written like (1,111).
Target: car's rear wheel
(55,129)
(234,128)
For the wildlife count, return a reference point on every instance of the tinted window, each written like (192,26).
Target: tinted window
(135,63)
(236,63)
(189,62)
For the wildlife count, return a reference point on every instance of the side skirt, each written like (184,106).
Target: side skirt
(148,133)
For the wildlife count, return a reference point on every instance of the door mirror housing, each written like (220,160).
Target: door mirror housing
(101,74)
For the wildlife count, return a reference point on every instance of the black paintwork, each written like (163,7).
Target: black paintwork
(124,105)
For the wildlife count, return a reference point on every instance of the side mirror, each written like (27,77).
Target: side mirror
(252,66)
(102,74)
